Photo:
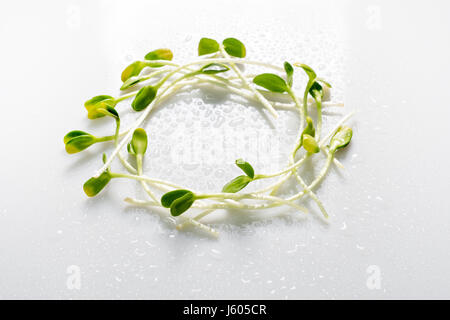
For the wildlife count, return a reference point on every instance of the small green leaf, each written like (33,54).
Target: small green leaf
(104,158)
(159,54)
(271,82)
(234,47)
(289,73)
(309,129)
(94,185)
(316,91)
(132,70)
(207,46)
(182,204)
(78,142)
(310,144)
(130,82)
(98,102)
(214,68)
(144,97)
(236,184)
(341,138)
(246,167)
(168,198)
(73,134)
(309,71)
(139,141)
(96,106)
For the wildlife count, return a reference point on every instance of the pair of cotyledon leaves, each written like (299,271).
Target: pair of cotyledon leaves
(232,46)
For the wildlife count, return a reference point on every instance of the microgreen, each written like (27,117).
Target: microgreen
(97,104)
(159,54)
(341,138)
(207,46)
(234,47)
(246,167)
(237,184)
(289,73)
(309,133)
(211,70)
(73,134)
(77,141)
(271,82)
(178,201)
(310,144)
(315,89)
(139,141)
(132,70)
(309,129)
(240,182)
(144,97)
(94,185)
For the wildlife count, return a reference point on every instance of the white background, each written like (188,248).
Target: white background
(389,60)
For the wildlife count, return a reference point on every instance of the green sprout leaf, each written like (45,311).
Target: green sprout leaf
(246,167)
(97,104)
(77,141)
(182,204)
(316,91)
(144,97)
(341,138)
(159,54)
(271,82)
(94,185)
(139,141)
(309,129)
(207,46)
(168,198)
(132,70)
(310,144)
(237,184)
(289,73)
(309,71)
(234,47)
(214,68)
(73,134)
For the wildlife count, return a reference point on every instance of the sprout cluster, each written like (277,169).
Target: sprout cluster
(216,67)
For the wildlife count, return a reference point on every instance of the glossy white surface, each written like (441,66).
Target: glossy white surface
(389,208)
